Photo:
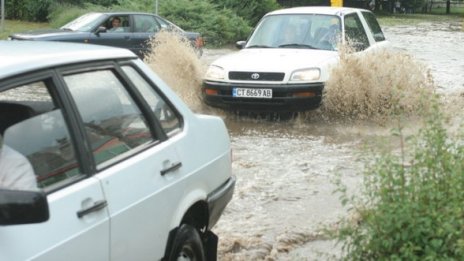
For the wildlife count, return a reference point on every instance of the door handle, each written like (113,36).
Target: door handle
(173,167)
(97,206)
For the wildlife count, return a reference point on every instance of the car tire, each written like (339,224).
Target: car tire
(187,245)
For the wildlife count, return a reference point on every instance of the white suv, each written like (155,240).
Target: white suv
(285,63)
(121,168)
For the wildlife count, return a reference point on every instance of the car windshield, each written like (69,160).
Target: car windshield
(84,23)
(312,31)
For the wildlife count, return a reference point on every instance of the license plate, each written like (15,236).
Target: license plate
(252,93)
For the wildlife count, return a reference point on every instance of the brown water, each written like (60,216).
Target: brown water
(285,170)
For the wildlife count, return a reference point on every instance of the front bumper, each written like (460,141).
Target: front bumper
(218,200)
(285,97)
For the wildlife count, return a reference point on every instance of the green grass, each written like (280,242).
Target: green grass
(14,26)
(453,10)
(412,19)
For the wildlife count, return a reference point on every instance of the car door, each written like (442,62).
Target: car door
(134,159)
(40,128)
(145,27)
(117,38)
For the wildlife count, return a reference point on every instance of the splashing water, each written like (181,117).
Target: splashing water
(377,86)
(374,86)
(175,61)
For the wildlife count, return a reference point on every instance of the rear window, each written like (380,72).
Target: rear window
(113,122)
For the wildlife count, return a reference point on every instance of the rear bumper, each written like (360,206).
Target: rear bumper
(218,200)
(285,97)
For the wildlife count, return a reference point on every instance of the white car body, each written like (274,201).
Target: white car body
(297,68)
(128,206)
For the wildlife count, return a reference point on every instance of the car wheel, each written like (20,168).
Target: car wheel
(187,245)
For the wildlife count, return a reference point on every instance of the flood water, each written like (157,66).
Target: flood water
(285,169)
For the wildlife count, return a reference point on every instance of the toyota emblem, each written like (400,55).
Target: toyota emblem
(255,76)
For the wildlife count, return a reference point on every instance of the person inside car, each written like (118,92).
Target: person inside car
(116,25)
(16,171)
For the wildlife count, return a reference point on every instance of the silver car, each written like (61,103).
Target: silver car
(100,160)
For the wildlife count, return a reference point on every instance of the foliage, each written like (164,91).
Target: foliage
(250,10)
(38,10)
(29,10)
(411,207)
(218,25)
(293,3)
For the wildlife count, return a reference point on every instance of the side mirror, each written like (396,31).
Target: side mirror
(23,207)
(100,29)
(240,44)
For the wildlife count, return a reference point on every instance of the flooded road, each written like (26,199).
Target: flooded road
(286,170)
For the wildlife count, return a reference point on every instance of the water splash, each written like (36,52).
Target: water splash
(175,61)
(378,85)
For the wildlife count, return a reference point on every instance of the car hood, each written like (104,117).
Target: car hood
(47,34)
(276,59)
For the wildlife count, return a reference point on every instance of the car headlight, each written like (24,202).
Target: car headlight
(215,73)
(305,75)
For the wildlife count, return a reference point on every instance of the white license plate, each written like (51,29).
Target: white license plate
(252,93)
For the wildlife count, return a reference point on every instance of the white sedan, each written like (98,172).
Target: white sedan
(100,160)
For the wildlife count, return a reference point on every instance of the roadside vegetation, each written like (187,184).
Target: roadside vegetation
(410,207)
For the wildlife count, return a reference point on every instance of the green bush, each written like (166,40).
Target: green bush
(218,25)
(28,10)
(412,204)
(250,10)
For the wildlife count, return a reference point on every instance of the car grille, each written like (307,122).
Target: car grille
(256,76)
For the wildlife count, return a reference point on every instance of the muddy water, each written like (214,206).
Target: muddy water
(285,170)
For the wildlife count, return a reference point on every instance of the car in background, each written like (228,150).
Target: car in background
(108,163)
(135,32)
(284,64)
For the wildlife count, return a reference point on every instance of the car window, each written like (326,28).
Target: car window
(374,26)
(166,25)
(34,127)
(84,23)
(113,122)
(297,31)
(117,24)
(146,24)
(163,111)
(354,32)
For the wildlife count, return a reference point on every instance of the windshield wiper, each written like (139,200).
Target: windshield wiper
(259,46)
(66,29)
(296,45)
